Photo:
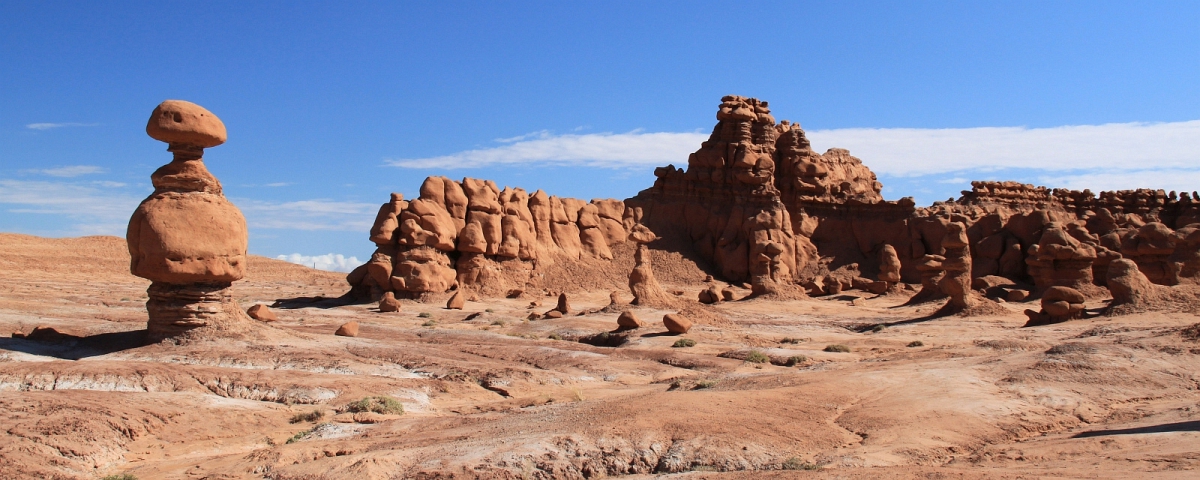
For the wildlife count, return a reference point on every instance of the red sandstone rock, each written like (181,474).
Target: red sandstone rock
(347,330)
(456,301)
(956,283)
(186,237)
(1128,285)
(389,303)
(261,313)
(889,264)
(677,323)
(628,320)
(710,295)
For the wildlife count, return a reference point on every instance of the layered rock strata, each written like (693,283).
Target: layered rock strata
(186,237)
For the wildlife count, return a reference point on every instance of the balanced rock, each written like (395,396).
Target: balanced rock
(186,238)
(347,330)
(261,313)
(389,303)
(1058,304)
(645,288)
(628,320)
(677,323)
(456,302)
(710,295)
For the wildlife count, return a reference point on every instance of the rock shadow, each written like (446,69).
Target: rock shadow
(1190,426)
(70,347)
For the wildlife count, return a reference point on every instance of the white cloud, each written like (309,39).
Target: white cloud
(48,126)
(633,149)
(69,171)
(330,261)
(104,211)
(1166,179)
(1114,146)
(900,152)
(308,214)
(278,184)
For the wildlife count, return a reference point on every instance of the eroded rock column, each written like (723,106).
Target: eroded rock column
(186,237)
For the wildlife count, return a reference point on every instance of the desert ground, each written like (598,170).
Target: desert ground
(489,393)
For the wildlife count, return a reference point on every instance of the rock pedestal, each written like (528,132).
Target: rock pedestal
(186,237)
(957,266)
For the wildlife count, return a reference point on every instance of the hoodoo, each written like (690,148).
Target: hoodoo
(186,237)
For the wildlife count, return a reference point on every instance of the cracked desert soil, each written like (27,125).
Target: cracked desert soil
(495,397)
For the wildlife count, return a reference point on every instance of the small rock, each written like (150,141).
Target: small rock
(347,330)
(534,304)
(553,314)
(727,294)
(628,320)
(389,303)
(708,278)
(676,323)
(858,302)
(515,293)
(534,316)
(710,296)
(1017,295)
(261,313)
(18,335)
(456,302)
(563,307)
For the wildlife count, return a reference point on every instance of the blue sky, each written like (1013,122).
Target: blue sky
(331,106)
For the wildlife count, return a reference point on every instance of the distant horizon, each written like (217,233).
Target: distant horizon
(332,107)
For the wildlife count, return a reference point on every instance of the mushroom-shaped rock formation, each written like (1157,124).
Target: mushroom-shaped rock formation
(186,237)
(1129,286)
(1058,304)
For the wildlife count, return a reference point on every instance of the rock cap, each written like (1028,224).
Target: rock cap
(183,122)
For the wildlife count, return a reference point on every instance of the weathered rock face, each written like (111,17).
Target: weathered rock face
(472,235)
(757,205)
(186,237)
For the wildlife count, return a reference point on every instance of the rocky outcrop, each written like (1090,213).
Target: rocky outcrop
(757,206)
(186,237)
(1129,286)
(642,284)
(474,236)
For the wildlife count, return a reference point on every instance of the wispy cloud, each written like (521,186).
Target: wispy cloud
(69,171)
(278,184)
(333,262)
(613,150)
(1154,153)
(93,210)
(48,126)
(1111,147)
(308,214)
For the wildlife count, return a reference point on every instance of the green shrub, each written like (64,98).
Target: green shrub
(425,315)
(498,323)
(488,310)
(795,463)
(120,476)
(916,343)
(878,328)
(756,356)
(705,384)
(796,360)
(307,417)
(383,405)
(555,336)
(837,348)
(684,343)
(790,340)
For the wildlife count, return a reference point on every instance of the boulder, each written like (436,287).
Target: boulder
(710,295)
(677,323)
(347,330)
(456,301)
(261,313)
(563,306)
(389,303)
(628,320)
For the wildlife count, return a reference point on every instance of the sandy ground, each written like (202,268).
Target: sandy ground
(490,394)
